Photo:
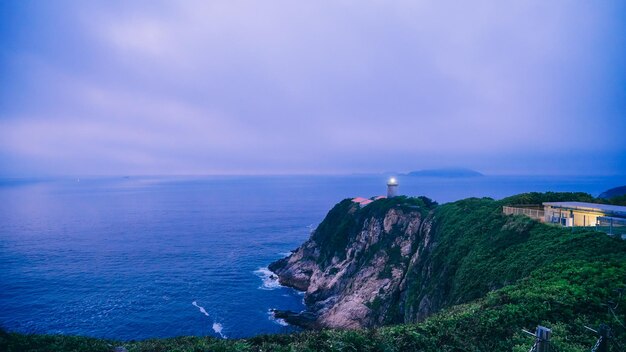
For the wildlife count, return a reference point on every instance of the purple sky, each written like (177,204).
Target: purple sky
(273,87)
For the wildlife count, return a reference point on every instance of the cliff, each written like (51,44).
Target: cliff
(400,260)
(354,265)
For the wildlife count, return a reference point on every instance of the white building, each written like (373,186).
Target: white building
(580,213)
(605,217)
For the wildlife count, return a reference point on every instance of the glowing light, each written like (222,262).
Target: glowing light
(392,181)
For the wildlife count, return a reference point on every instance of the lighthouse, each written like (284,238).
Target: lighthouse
(392,188)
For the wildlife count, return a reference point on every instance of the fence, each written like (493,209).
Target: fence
(532,212)
(611,225)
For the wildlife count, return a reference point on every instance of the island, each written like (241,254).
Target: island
(445,172)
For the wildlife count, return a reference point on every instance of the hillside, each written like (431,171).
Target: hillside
(613,192)
(615,196)
(413,275)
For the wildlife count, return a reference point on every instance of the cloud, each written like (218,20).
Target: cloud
(278,86)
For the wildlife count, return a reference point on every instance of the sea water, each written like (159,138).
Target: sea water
(141,257)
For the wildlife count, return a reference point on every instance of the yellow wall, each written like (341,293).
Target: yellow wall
(581,217)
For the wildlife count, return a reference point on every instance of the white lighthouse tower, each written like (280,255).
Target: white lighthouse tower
(392,188)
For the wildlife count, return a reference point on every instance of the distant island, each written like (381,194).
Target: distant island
(445,172)
(613,192)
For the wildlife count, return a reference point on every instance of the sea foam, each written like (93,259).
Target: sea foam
(202,310)
(217,327)
(270,281)
(273,318)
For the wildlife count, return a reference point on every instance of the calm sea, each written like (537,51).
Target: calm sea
(140,257)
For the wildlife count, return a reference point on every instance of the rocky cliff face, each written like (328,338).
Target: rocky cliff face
(354,267)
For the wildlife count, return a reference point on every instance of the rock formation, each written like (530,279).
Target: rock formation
(353,268)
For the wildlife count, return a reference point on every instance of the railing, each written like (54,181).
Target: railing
(532,213)
(611,225)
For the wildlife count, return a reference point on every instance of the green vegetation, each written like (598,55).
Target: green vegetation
(619,200)
(487,275)
(343,222)
(480,249)
(538,198)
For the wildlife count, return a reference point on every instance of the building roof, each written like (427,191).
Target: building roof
(362,201)
(365,202)
(601,208)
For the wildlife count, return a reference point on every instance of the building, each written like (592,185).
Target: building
(392,191)
(579,213)
(362,201)
(392,188)
(604,217)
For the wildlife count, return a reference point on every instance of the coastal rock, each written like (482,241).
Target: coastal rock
(303,319)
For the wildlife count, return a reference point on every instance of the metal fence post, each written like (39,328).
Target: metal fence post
(604,331)
(543,338)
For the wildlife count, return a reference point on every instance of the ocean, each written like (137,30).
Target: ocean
(142,257)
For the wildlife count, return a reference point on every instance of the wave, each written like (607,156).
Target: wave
(217,327)
(273,318)
(270,280)
(202,310)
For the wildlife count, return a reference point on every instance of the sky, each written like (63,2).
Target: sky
(311,87)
